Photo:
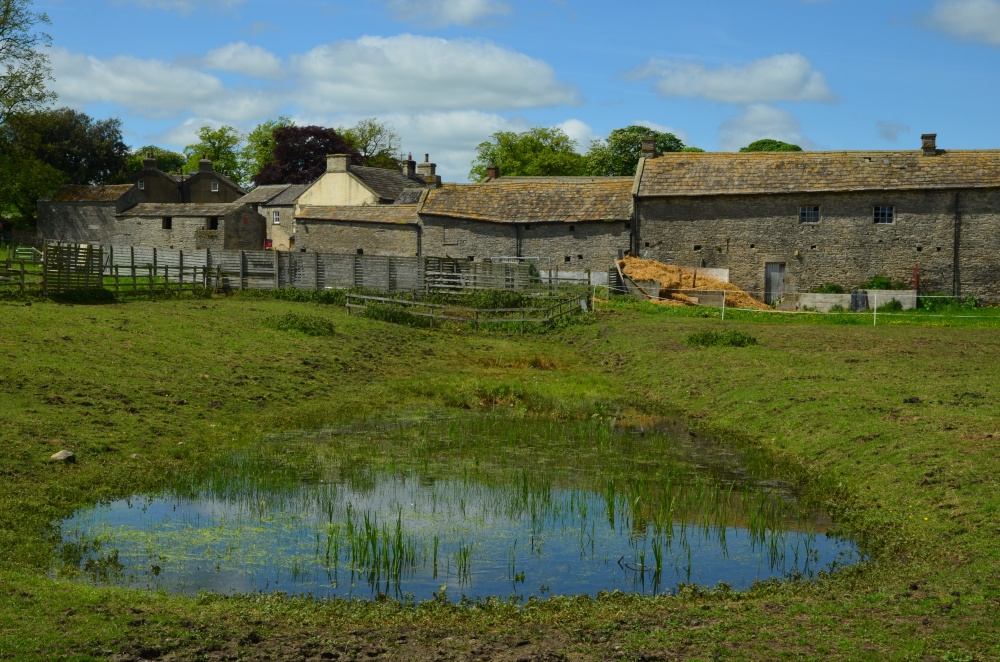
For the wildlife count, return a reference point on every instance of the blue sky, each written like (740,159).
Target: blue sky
(826,74)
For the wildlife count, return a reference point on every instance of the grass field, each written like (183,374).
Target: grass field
(897,425)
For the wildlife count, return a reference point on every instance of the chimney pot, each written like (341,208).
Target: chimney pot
(428,171)
(427,158)
(492,172)
(928,144)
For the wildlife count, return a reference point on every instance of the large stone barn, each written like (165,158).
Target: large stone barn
(85,214)
(794,221)
(571,223)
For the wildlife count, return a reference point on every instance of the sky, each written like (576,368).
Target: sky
(446,74)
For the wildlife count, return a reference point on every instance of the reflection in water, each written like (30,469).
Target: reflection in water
(408,511)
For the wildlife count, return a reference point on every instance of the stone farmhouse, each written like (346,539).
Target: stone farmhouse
(793,221)
(276,203)
(204,186)
(231,226)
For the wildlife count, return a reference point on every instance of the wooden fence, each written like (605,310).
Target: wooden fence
(437,313)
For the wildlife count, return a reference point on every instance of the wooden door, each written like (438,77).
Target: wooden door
(774,281)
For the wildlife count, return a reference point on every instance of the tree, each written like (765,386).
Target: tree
(538,151)
(44,150)
(770,145)
(377,142)
(300,154)
(618,156)
(222,147)
(24,66)
(259,149)
(166,160)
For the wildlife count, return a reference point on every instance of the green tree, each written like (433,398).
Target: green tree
(258,151)
(43,150)
(166,160)
(24,65)
(377,142)
(222,147)
(618,156)
(770,145)
(538,151)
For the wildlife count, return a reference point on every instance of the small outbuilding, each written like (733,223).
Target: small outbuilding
(191,226)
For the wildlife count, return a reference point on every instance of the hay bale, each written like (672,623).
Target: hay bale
(672,277)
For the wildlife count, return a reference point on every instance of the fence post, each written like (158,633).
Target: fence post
(149,270)
(242,268)
(276,279)
(316,274)
(180,281)
(723,305)
(875,310)
(22,276)
(114,270)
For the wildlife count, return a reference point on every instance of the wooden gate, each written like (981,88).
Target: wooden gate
(774,281)
(72,267)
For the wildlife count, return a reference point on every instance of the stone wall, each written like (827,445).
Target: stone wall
(83,222)
(743,233)
(568,246)
(400,240)
(239,230)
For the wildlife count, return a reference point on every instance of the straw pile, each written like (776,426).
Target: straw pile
(673,277)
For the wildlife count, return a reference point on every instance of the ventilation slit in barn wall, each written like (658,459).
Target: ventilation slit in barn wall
(697,247)
(813,247)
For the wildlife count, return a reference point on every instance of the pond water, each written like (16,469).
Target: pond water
(476,507)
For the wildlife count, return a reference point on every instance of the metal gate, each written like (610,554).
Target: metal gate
(774,281)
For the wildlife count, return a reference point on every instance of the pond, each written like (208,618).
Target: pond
(476,507)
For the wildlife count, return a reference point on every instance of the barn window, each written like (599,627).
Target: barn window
(361,251)
(569,259)
(885,214)
(168,223)
(213,222)
(215,187)
(572,228)
(809,214)
(141,184)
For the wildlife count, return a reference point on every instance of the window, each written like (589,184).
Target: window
(808,214)
(361,251)
(215,187)
(572,228)
(168,223)
(141,184)
(213,223)
(276,217)
(885,214)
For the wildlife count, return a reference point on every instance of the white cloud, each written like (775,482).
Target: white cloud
(153,88)
(759,121)
(579,131)
(187,6)
(973,20)
(439,13)
(890,130)
(788,77)
(383,74)
(242,58)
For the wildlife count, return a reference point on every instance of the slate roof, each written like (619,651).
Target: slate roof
(385,183)
(288,196)
(538,200)
(392,214)
(182,210)
(262,194)
(91,193)
(694,174)
(410,196)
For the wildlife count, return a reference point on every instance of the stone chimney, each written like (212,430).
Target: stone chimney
(649,147)
(928,143)
(337,162)
(149,162)
(428,171)
(204,165)
(409,167)
(492,172)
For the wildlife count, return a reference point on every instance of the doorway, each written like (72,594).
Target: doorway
(774,281)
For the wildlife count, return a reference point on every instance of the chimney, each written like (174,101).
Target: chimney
(928,143)
(649,147)
(149,163)
(337,162)
(492,172)
(428,170)
(204,165)
(409,167)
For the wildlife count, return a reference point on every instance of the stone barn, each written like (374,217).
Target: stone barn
(793,221)
(190,226)
(363,230)
(85,214)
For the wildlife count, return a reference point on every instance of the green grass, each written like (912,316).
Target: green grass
(896,424)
